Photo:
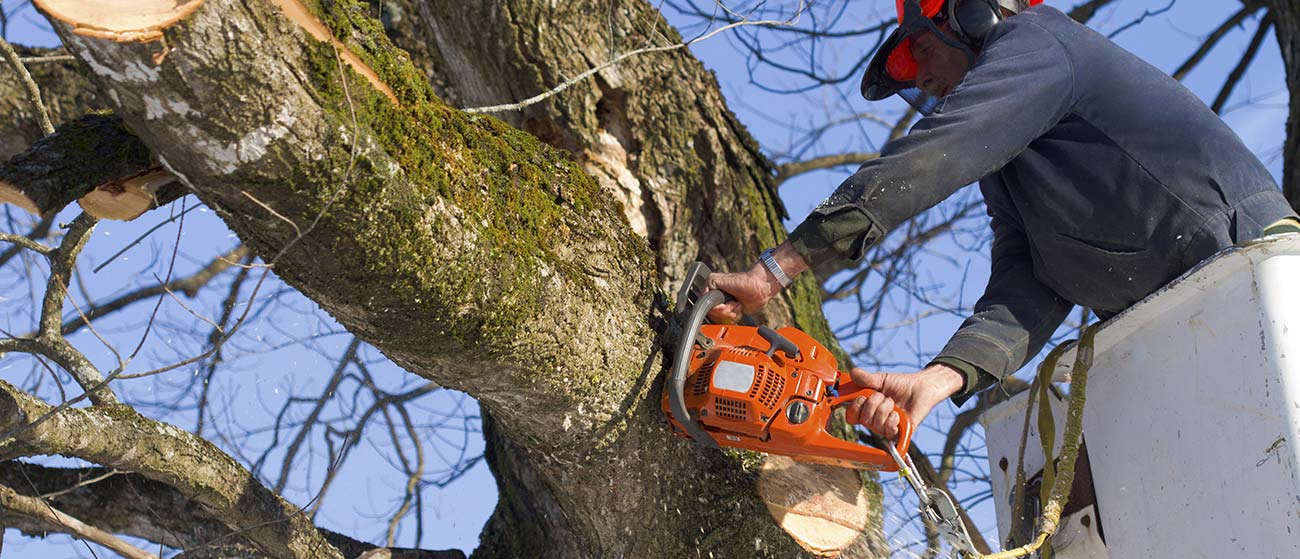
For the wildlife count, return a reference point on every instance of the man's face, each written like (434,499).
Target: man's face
(939,67)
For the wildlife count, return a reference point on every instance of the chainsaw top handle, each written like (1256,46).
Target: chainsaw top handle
(848,391)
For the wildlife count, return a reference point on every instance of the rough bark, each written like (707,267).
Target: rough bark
(1286,23)
(654,130)
(475,256)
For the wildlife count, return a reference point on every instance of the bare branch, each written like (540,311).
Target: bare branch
(789,170)
(39,231)
(1084,12)
(291,452)
(1240,70)
(1145,14)
(48,341)
(27,243)
(44,59)
(1213,39)
(188,285)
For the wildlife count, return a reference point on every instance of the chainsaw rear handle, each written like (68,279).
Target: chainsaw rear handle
(850,392)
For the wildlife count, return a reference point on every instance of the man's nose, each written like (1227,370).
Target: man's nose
(925,81)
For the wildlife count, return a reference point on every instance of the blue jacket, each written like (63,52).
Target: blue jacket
(1104,178)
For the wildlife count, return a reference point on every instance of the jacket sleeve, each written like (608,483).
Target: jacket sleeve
(1013,320)
(1021,85)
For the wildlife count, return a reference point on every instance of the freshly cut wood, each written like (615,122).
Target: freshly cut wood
(119,20)
(824,508)
(11,194)
(126,198)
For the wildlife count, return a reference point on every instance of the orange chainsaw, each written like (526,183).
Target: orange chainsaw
(761,389)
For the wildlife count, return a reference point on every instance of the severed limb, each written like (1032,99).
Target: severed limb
(94,160)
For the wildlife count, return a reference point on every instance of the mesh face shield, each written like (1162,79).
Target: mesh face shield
(893,69)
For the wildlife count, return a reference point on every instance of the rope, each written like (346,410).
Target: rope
(1062,478)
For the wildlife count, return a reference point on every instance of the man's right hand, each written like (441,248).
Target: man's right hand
(915,393)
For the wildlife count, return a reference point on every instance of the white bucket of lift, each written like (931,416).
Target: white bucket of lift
(1192,420)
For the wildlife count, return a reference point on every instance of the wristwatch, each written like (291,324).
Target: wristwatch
(770,262)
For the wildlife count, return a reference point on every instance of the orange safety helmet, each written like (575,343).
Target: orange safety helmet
(893,69)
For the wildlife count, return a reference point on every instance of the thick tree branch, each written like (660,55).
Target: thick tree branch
(133,505)
(118,437)
(469,252)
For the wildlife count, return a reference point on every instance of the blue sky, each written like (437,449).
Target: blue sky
(262,373)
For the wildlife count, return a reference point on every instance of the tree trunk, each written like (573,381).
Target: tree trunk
(1286,23)
(475,256)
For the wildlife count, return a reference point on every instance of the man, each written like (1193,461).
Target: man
(1104,180)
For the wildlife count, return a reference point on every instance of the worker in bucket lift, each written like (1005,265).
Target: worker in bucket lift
(1104,180)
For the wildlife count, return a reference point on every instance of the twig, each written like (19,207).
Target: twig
(1084,12)
(38,232)
(79,485)
(190,285)
(37,508)
(1145,14)
(142,237)
(33,92)
(620,58)
(43,59)
(26,243)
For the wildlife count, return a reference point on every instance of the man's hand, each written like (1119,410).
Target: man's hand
(752,289)
(915,393)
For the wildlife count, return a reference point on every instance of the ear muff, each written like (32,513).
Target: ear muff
(973,19)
